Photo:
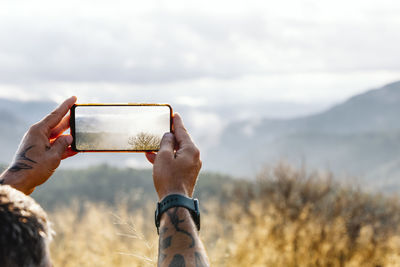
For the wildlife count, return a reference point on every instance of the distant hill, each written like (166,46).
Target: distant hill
(15,118)
(108,184)
(375,111)
(359,137)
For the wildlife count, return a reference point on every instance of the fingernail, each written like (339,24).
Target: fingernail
(69,139)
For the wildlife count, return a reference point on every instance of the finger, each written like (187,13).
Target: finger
(151,157)
(61,144)
(68,153)
(167,146)
(56,116)
(181,134)
(60,128)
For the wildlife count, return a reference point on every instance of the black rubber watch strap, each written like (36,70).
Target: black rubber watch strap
(177,200)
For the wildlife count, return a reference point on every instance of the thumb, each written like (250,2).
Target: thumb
(167,146)
(61,144)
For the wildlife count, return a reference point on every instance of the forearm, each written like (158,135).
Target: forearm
(15,180)
(179,243)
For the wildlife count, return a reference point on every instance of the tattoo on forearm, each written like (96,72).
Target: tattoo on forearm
(162,245)
(177,261)
(173,216)
(18,165)
(163,230)
(166,243)
(167,249)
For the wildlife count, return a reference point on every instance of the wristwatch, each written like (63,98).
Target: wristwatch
(177,200)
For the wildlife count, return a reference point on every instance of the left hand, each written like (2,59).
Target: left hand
(41,150)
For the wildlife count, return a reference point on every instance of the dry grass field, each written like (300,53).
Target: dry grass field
(286,218)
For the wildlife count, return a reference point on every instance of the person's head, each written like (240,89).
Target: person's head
(25,231)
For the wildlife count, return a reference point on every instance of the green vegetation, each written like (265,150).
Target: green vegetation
(286,217)
(109,185)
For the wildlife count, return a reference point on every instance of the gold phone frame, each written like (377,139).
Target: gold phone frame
(72,125)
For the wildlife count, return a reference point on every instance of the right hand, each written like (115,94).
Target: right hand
(177,163)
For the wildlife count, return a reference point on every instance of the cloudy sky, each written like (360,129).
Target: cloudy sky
(197,53)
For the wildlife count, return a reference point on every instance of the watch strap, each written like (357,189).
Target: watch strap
(176,200)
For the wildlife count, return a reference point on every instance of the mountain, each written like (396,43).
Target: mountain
(27,112)
(15,118)
(358,137)
(204,122)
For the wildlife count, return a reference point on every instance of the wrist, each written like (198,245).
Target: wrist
(162,196)
(16,181)
(182,213)
(180,191)
(172,204)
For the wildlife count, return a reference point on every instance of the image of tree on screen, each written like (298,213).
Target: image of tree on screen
(121,127)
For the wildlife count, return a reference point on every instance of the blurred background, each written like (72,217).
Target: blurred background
(313,83)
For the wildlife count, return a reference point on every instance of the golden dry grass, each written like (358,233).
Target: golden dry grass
(286,218)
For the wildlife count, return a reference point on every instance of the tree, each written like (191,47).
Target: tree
(145,141)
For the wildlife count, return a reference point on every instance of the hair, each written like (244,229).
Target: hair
(25,231)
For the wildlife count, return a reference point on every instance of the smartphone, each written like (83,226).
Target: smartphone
(119,127)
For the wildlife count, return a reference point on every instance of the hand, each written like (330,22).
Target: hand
(175,172)
(41,150)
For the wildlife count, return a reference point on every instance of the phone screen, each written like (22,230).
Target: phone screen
(119,128)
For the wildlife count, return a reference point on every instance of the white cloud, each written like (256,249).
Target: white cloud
(214,61)
(306,88)
(207,127)
(191,101)
(210,51)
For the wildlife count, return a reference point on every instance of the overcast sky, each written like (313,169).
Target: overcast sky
(198,52)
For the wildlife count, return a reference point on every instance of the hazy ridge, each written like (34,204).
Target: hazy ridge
(360,137)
